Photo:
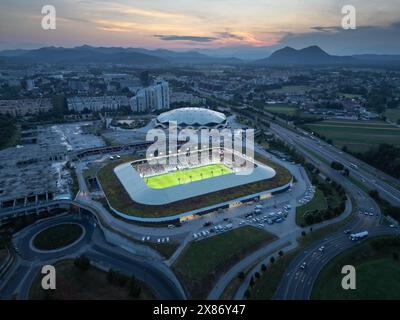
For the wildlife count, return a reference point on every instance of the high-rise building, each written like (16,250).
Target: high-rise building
(152,98)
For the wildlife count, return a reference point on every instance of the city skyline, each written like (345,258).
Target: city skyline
(206,25)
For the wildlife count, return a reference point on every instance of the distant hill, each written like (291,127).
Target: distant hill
(312,55)
(83,55)
(132,56)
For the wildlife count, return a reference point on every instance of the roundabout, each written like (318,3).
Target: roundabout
(57,237)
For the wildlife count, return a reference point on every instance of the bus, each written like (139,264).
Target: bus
(358,236)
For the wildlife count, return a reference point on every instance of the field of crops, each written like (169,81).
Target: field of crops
(358,136)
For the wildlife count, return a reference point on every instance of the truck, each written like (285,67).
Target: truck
(358,236)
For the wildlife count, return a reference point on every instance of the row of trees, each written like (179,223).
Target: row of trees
(114,277)
(257,274)
(335,197)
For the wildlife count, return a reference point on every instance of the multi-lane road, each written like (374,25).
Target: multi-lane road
(388,187)
(297,283)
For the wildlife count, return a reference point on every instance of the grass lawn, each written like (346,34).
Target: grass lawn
(186,176)
(358,136)
(165,249)
(202,263)
(393,114)
(121,201)
(57,236)
(377,277)
(75,284)
(286,109)
(318,202)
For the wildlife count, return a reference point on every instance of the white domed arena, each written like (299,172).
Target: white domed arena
(192,118)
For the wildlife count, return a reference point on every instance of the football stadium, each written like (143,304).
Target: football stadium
(166,191)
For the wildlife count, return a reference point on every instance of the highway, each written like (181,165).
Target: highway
(370,177)
(297,283)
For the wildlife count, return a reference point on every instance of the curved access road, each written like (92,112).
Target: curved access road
(93,244)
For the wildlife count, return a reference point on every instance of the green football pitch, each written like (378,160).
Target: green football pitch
(185,176)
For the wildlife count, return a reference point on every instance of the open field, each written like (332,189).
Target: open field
(75,284)
(120,200)
(286,109)
(378,273)
(186,176)
(202,262)
(57,236)
(358,136)
(318,202)
(393,114)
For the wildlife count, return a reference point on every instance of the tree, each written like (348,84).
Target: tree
(257,275)
(82,263)
(272,259)
(280,253)
(337,165)
(247,294)
(241,275)
(263,267)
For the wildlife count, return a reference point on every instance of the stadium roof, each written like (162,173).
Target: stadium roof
(192,116)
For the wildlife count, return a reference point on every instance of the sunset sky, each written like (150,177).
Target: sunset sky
(190,24)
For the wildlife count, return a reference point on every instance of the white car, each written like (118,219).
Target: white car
(303,265)
(321,249)
(195,236)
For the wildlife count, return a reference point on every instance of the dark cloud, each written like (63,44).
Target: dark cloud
(326,29)
(228,35)
(184,38)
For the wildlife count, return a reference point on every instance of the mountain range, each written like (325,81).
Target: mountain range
(312,55)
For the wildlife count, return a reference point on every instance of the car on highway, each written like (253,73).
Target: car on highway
(321,249)
(347,231)
(303,265)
